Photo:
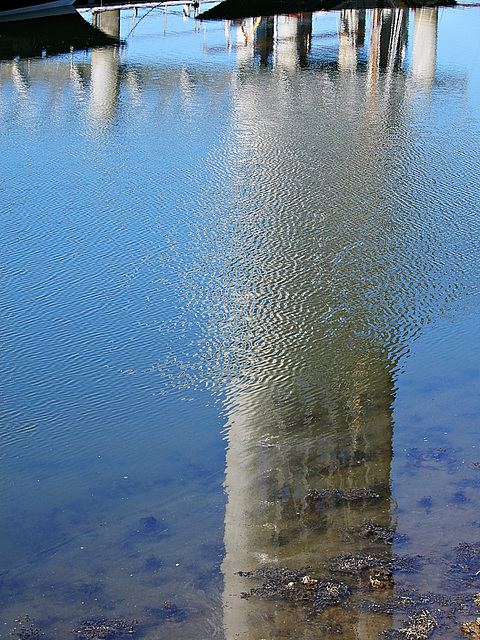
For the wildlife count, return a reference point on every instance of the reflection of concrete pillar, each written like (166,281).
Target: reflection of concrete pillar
(393,37)
(264,40)
(245,40)
(285,54)
(304,36)
(282,40)
(424,51)
(388,43)
(292,37)
(385,36)
(351,36)
(20,76)
(104,86)
(104,67)
(108,22)
(322,420)
(278,449)
(281,444)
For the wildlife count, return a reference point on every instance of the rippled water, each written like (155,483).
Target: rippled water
(238,262)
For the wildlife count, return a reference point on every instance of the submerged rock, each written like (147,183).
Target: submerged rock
(147,529)
(148,523)
(169,611)
(153,564)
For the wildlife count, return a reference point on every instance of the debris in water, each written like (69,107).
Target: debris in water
(381,578)
(471,629)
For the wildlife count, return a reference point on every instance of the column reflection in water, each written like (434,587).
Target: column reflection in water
(292,40)
(393,27)
(388,42)
(327,315)
(282,42)
(351,36)
(425,46)
(105,83)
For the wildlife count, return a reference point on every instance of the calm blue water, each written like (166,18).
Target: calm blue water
(238,262)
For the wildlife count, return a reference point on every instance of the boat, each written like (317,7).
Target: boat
(17,8)
(47,33)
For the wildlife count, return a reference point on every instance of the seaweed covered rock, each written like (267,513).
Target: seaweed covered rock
(27,629)
(381,577)
(276,582)
(297,586)
(102,629)
(334,497)
(370,530)
(356,563)
(329,593)
(419,626)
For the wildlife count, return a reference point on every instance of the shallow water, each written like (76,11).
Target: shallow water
(239,262)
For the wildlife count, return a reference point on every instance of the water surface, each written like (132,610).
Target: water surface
(239,262)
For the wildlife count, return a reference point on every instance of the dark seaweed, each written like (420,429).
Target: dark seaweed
(334,497)
(373,531)
(467,561)
(27,630)
(101,629)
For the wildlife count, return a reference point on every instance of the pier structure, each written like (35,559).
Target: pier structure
(100,6)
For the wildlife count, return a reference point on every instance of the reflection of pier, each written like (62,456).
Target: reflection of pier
(321,414)
(241,9)
(285,41)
